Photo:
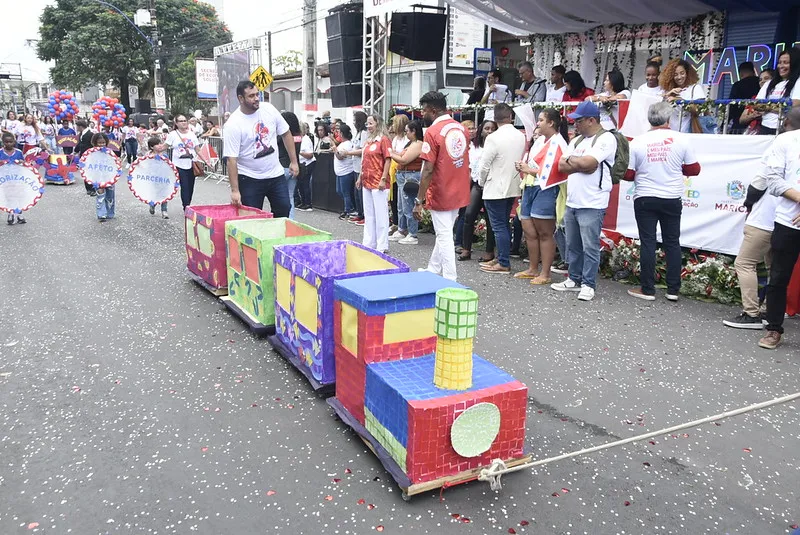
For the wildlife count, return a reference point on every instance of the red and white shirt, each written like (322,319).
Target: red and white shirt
(446,147)
(372,162)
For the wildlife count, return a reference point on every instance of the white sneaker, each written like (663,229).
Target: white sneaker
(566,286)
(396,236)
(587,293)
(409,240)
(671,297)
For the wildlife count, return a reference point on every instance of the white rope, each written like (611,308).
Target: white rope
(498,467)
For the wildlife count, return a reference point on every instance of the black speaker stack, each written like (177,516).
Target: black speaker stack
(344,26)
(419,35)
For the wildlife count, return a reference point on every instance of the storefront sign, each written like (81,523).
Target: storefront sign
(713,65)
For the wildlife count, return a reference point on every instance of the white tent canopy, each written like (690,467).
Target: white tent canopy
(526,17)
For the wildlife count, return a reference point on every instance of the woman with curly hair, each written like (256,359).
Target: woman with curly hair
(679,81)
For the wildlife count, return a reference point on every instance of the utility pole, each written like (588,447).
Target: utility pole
(309,54)
(269,58)
(156,43)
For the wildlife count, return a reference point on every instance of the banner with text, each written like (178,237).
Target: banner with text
(713,209)
(206,79)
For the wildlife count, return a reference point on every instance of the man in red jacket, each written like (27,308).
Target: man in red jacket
(444,186)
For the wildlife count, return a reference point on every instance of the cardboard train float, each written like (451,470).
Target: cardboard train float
(398,344)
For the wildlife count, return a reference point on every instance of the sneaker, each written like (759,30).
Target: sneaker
(568,285)
(308,208)
(671,297)
(771,340)
(10,219)
(164,215)
(353,217)
(490,263)
(561,268)
(396,236)
(587,293)
(21,220)
(744,321)
(344,216)
(637,292)
(359,222)
(514,254)
(409,240)
(153,210)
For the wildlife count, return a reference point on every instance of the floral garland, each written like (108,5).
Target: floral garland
(707,276)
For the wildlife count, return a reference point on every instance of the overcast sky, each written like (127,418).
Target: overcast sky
(245,19)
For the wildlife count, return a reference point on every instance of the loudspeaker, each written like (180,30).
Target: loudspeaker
(345,72)
(418,36)
(345,48)
(345,96)
(346,23)
(143,106)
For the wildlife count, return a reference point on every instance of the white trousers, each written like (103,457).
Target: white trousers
(443,257)
(376,218)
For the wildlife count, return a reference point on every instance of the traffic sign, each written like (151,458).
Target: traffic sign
(160,95)
(133,94)
(261,78)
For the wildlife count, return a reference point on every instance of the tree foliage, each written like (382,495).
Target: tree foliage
(92,43)
(289,62)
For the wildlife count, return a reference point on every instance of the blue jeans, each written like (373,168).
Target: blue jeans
(583,243)
(498,211)
(561,243)
(650,211)
(405,202)
(344,187)
(186,177)
(131,149)
(105,203)
(291,185)
(255,190)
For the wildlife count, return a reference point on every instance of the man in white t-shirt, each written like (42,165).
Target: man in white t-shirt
(251,137)
(556,89)
(588,162)
(659,161)
(782,172)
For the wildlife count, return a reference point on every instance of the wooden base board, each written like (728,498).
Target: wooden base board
(217,292)
(324,389)
(252,323)
(394,469)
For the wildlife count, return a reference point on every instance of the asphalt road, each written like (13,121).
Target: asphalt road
(131,401)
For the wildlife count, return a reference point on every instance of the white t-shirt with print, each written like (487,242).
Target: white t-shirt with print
(184,148)
(130,132)
(657,157)
(253,140)
(770,120)
(27,135)
(784,155)
(345,166)
(584,190)
(692,92)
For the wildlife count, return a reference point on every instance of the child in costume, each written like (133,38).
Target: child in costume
(11,153)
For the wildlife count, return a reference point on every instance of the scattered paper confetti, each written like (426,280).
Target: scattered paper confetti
(271,493)
(33,525)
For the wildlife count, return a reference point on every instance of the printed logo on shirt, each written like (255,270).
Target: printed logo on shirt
(455,143)
(373,147)
(184,148)
(262,135)
(426,147)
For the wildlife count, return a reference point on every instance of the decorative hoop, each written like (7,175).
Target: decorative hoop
(143,161)
(109,177)
(11,178)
